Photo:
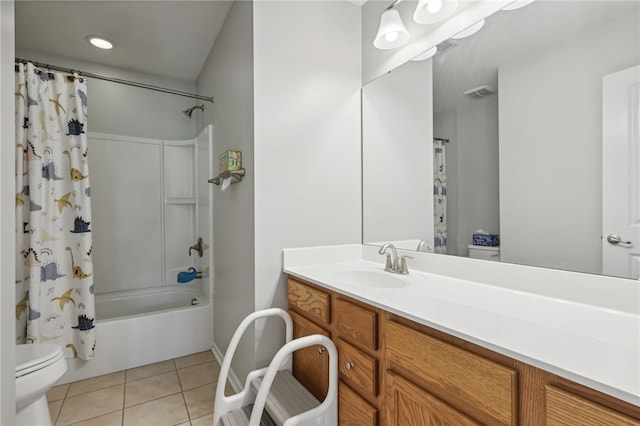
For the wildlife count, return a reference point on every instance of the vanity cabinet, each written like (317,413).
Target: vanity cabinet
(397,372)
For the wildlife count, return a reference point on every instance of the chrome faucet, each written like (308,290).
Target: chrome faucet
(423,244)
(395,264)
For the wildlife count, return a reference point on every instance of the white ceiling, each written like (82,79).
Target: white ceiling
(165,38)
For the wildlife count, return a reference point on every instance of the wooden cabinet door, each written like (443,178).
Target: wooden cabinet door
(566,409)
(410,405)
(353,410)
(485,390)
(310,365)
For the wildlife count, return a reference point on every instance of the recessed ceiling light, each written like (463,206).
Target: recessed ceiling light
(99,42)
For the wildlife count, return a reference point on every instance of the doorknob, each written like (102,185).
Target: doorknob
(615,239)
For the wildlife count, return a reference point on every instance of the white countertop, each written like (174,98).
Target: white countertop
(595,344)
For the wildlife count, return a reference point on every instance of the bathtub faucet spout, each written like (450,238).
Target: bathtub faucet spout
(185,277)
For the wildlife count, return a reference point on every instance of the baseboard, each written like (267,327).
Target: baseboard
(233,379)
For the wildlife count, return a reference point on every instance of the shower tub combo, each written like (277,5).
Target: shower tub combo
(147,213)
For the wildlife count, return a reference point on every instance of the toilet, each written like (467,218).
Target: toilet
(38,367)
(484,252)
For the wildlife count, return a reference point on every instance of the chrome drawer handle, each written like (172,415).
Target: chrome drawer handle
(348,365)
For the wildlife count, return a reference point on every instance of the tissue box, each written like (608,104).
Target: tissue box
(488,240)
(229,161)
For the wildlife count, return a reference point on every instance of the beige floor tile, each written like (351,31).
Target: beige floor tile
(96,383)
(187,423)
(57,392)
(150,370)
(200,400)
(168,411)
(190,360)
(91,404)
(203,421)
(199,375)
(54,410)
(151,388)
(111,419)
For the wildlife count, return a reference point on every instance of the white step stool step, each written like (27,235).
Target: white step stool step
(241,418)
(287,398)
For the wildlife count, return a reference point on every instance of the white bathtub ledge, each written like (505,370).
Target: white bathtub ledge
(560,335)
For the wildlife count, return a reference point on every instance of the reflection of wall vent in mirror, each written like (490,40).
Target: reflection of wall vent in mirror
(479,92)
(445,46)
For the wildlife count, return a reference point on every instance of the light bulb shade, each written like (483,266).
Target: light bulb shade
(428,12)
(517,4)
(426,54)
(469,31)
(392,32)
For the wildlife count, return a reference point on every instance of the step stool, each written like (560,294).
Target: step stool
(271,396)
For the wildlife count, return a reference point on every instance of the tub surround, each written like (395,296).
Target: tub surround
(561,322)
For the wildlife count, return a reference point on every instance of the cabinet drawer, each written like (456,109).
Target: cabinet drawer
(409,405)
(313,303)
(482,389)
(356,324)
(564,408)
(357,369)
(353,410)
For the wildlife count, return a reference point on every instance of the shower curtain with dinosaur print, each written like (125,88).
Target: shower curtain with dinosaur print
(54,271)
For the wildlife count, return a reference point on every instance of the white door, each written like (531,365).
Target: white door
(621,174)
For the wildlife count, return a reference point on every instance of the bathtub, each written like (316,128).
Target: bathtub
(140,327)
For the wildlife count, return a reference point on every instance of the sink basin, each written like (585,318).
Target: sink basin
(377,279)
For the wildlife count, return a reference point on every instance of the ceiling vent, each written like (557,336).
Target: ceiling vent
(446,45)
(479,92)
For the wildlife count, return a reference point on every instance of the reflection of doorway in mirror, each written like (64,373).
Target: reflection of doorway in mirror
(439,196)
(621,173)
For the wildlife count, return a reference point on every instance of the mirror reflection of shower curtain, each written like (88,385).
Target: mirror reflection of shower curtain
(439,196)
(54,269)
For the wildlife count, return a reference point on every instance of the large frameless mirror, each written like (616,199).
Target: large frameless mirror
(514,131)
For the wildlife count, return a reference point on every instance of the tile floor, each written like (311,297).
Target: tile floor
(175,392)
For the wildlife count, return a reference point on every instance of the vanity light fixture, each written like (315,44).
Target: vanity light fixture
(469,31)
(517,4)
(432,11)
(99,42)
(426,54)
(392,33)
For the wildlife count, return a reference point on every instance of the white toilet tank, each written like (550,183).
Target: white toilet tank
(486,253)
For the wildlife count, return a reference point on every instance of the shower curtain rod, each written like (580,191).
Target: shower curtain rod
(116,80)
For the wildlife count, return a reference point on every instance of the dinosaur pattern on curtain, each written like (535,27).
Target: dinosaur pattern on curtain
(54,270)
(439,196)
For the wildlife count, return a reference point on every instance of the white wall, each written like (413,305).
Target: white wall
(397,155)
(227,75)
(7,214)
(307,67)
(472,170)
(563,86)
(126,110)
